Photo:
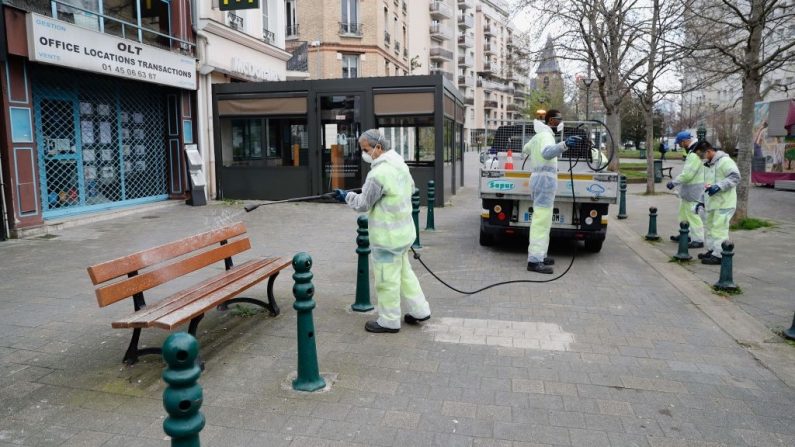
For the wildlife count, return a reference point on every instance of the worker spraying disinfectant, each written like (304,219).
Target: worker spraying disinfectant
(386,197)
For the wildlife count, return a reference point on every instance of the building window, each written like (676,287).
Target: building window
(350,65)
(349,17)
(386,67)
(292,20)
(267,35)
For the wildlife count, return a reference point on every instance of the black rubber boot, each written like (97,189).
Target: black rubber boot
(539,267)
(549,261)
(710,260)
(409,319)
(694,244)
(374,327)
(705,255)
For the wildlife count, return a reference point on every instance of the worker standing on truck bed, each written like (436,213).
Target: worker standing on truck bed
(543,154)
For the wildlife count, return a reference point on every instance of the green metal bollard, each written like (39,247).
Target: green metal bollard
(790,333)
(308,377)
(429,225)
(415,214)
(622,200)
(684,235)
(726,282)
(362,303)
(182,398)
(652,235)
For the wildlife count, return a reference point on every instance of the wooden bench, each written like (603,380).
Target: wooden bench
(131,275)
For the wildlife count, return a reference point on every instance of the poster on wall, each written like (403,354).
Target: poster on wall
(105,136)
(87,132)
(773,138)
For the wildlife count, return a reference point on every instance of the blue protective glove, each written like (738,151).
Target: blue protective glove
(712,190)
(573,141)
(340,194)
(670,185)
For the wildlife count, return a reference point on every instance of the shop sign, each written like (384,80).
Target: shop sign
(55,42)
(232,5)
(252,71)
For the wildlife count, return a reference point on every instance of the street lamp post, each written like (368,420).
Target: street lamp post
(587,82)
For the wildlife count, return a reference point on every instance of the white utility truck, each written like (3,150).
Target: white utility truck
(585,188)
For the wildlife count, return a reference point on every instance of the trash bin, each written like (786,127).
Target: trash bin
(642,153)
(657,171)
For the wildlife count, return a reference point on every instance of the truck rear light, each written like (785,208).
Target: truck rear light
(579,236)
(501,216)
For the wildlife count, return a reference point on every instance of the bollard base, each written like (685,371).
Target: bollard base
(679,257)
(622,216)
(327,378)
(652,237)
(726,287)
(790,333)
(356,307)
(309,385)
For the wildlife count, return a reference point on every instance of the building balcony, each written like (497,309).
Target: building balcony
(466,41)
(351,29)
(465,21)
(488,49)
(466,61)
(439,53)
(440,10)
(235,21)
(466,4)
(466,81)
(291,31)
(299,60)
(397,48)
(513,108)
(487,68)
(519,92)
(439,32)
(489,30)
(405,53)
(469,100)
(387,39)
(268,36)
(490,105)
(405,7)
(443,72)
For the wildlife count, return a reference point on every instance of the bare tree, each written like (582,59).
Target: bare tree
(602,35)
(749,42)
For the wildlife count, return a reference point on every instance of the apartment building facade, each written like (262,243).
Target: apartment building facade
(246,45)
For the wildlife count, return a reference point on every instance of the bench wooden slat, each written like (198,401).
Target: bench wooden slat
(200,306)
(145,316)
(119,290)
(121,266)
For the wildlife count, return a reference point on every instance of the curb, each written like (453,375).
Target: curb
(746,330)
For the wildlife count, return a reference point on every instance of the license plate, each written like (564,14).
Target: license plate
(556,218)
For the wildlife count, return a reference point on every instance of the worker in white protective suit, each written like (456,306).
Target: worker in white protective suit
(720,188)
(691,189)
(386,197)
(543,154)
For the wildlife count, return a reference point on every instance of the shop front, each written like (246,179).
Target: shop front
(279,140)
(96,122)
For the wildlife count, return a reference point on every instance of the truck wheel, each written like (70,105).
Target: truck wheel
(486,240)
(593,245)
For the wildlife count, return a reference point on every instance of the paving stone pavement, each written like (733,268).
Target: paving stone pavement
(609,355)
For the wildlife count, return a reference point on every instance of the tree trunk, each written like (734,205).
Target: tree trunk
(745,146)
(649,148)
(613,119)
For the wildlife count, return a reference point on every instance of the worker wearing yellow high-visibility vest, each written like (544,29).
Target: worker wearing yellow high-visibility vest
(543,154)
(720,189)
(386,197)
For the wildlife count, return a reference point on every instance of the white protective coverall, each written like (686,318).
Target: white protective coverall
(720,207)
(386,196)
(691,192)
(543,153)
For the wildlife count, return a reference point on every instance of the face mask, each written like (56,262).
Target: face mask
(560,127)
(367,157)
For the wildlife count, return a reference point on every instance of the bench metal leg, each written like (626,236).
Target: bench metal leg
(271,305)
(194,324)
(132,354)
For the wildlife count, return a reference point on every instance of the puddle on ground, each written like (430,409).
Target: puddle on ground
(512,334)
